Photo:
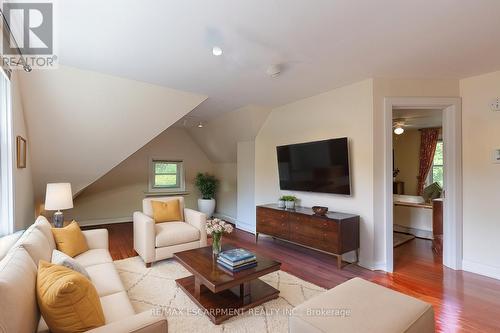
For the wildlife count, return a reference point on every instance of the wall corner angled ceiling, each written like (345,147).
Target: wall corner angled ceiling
(84,123)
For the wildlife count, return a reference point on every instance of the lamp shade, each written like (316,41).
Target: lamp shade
(58,196)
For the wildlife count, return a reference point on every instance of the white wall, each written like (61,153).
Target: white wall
(227,193)
(481,178)
(406,158)
(116,195)
(24,199)
(246,186)
(342,112)
(83,123)
(219,137)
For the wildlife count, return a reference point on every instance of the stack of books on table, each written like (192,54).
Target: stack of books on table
(236,260)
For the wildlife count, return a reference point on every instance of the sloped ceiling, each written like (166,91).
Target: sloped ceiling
(322,44)
(219,137)
(82,124)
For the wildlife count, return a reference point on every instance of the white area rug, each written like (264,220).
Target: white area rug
(155,288)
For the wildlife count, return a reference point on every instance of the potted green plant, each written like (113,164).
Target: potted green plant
(289,201)
(281,202)
(207,185)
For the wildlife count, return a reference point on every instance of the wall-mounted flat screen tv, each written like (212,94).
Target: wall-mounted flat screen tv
(320,166)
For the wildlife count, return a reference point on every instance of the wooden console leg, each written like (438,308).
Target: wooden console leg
(357,255)
(339,261)
(148,264)
(256,237)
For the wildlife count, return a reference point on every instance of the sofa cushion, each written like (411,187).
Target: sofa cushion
(362,306)
(18,307)
(116,306)
(166,211)
(36,244)
(7,242)
(68,300)
(70,239)
(60,258)
(173,233)
(94,257)
(45,227)
(105,279)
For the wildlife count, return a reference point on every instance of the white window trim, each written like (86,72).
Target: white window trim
(159,190)
(6,161)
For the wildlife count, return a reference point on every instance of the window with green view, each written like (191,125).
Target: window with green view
(166,174)
(436,174)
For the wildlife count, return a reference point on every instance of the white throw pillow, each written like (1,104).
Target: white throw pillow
(62,259)
(7,242)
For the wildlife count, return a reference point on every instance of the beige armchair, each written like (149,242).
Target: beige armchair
(157,241)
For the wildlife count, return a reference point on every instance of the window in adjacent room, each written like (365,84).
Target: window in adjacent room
(166,176)
(436,174)
(6,150)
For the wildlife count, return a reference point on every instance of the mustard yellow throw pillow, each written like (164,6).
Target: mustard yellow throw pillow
(67,300)
(70,239)
(166,211)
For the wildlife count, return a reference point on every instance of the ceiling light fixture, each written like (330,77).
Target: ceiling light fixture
(398,130)
(200,125)
(216,51)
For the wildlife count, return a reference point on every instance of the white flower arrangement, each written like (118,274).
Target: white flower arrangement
(217,226)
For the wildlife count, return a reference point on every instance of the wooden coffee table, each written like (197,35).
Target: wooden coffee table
(219,293)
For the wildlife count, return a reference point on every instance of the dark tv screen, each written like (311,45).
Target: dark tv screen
(320,166)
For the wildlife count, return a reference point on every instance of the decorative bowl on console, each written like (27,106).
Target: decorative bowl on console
(319,210)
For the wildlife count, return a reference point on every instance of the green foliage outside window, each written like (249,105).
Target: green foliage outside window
(166,174)
(437,172)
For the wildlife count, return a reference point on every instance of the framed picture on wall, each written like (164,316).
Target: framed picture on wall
(21,152)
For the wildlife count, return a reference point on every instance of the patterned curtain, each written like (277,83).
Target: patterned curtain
(428,141)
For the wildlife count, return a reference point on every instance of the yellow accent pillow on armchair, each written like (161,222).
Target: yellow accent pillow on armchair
(67,300)
(70,239)
(166,211)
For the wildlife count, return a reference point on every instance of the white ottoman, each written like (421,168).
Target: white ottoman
(360,306)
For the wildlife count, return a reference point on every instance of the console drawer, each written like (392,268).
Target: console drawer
(272,222)
(314,232)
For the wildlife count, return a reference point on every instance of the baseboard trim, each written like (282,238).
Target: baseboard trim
(481,269)
(373,266)
(415,232)
(90,223)
(225,217)
(245,227)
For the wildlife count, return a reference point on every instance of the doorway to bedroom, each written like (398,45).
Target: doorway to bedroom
(403,114)
(418,181)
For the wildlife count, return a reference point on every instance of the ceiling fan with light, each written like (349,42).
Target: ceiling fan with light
(398,126)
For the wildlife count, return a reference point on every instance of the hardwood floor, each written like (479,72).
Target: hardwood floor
(463,302)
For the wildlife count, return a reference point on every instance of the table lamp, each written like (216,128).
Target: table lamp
(57,197)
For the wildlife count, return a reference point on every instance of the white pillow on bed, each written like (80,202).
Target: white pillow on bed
(62,259)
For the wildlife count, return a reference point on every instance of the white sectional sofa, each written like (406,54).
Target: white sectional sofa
(18,270)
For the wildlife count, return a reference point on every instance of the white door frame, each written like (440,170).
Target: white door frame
(452,205)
